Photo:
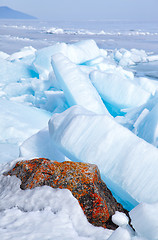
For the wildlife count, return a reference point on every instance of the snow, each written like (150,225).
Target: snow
(120,219)
(43,213)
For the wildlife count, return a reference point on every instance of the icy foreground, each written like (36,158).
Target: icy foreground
(113,125)
(116,150)
(43,213)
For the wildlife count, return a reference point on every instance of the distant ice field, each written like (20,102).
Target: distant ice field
(15,34)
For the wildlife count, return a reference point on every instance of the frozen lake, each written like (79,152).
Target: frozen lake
(15,34)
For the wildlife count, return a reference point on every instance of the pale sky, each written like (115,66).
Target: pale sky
(87,9)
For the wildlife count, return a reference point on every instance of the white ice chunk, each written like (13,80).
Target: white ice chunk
(147,84)
(54,82)
(3,55)
(18,88)
(145,220)
(77,87)
(18,122)
(125,57)
(42,62)
(78,53)
(82,51)
(54,30)
(55,101)
(14,71)
(120,155)
(120,219)
(143,114)
(121,234)
(26,99)
(8,152)
(152,58)
(39,145)
(115,88)
(24,52)
(103,53)
(147,128)
(138,55)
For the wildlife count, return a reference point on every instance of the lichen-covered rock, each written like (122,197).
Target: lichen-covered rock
(82,179)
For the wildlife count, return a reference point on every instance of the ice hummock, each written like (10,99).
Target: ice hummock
(17,123)
(100,140)
(78,53)
(126,58)
(147,127)
(118,90)
(23,53)
(8,73)
(130,165)
(76,85)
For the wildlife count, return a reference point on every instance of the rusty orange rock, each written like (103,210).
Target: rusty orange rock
(82,179)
